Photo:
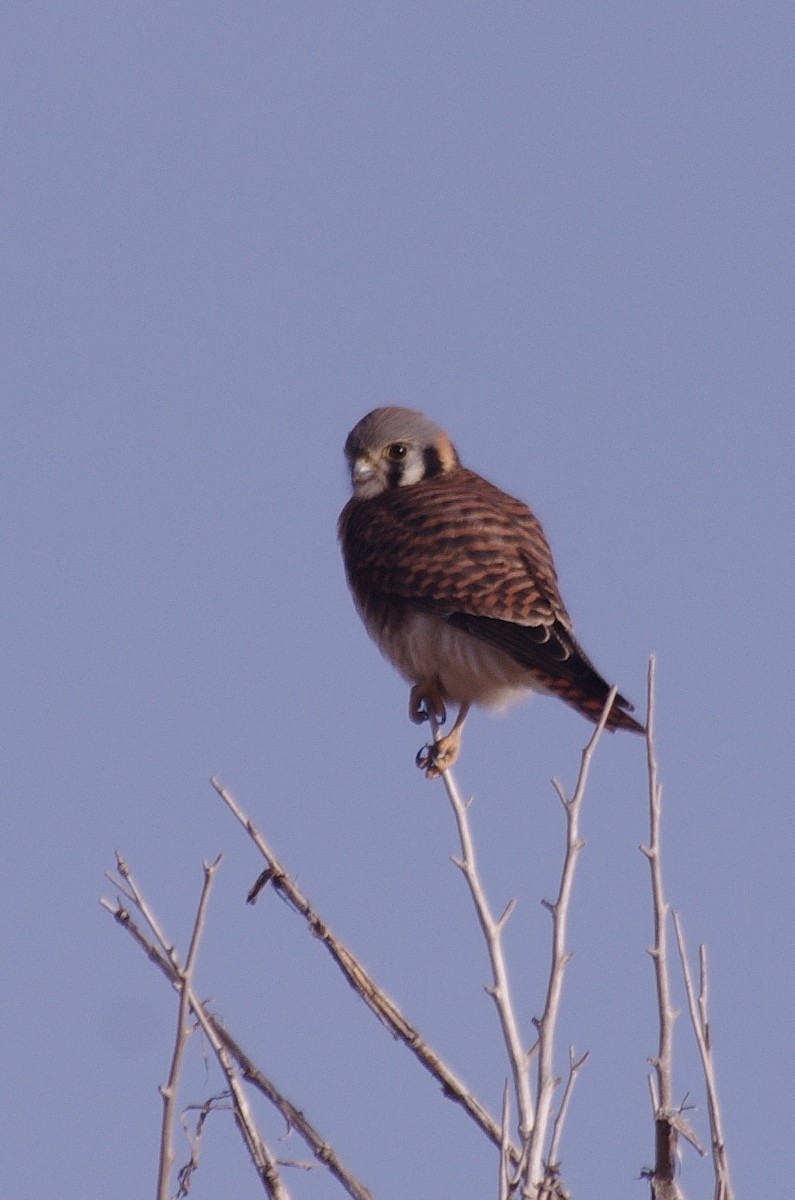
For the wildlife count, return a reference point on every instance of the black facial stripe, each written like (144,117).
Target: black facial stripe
(432,461)
(394,474)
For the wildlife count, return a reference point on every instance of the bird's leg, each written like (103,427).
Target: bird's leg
(426,701)
(442,754)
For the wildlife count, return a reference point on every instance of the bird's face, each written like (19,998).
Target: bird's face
(396,447)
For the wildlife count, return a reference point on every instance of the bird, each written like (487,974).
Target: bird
(455,582)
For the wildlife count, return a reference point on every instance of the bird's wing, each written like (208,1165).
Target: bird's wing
(458,547)
(451,544)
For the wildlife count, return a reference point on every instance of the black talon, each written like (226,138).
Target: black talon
(439,715)
(428,760)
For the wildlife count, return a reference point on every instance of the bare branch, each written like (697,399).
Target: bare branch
(210,1022)
(500,989)
(662,1178)
(169,1090)
(167,958)
(575,1065)
(323,1152)
(534,1121)
(546,1081)
(504,1190)
(265,1163)
(359,979)
(129,888)
(699,1018)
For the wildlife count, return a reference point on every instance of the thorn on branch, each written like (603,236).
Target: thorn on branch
(531,1053)
(561,793)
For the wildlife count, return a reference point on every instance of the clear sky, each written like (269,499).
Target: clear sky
(564,231)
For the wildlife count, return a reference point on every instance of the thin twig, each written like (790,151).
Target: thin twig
(127,885)
(662,1179)
(291,1114)
(575,1065)
(169,1090)
(546,1082)
(323,1152)
(504,1183)
(699,1018)
(360,980)
(194,1138)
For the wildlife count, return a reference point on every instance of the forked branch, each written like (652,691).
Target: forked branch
(539,1136)
(540,1160)
(670,1122)
(228,1052)
(699,1017)
(169,1089)
(663,1176)
(277,877)
(491,928)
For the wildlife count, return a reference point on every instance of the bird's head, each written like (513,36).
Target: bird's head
(396,447)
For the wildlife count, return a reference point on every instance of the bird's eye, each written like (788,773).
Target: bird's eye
(397,451)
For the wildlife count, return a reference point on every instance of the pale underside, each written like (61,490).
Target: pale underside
(469,670)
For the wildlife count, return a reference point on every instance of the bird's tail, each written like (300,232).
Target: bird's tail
(591,703)
(584,689)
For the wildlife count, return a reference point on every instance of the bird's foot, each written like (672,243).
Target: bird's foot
(426,701)
(439,756)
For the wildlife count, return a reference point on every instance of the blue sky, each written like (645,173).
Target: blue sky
(564,232)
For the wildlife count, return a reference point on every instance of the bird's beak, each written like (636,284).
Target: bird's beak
(362,469)
(365,477)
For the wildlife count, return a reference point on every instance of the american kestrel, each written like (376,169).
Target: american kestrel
(455,583)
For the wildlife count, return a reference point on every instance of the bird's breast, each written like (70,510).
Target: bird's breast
(469,670)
